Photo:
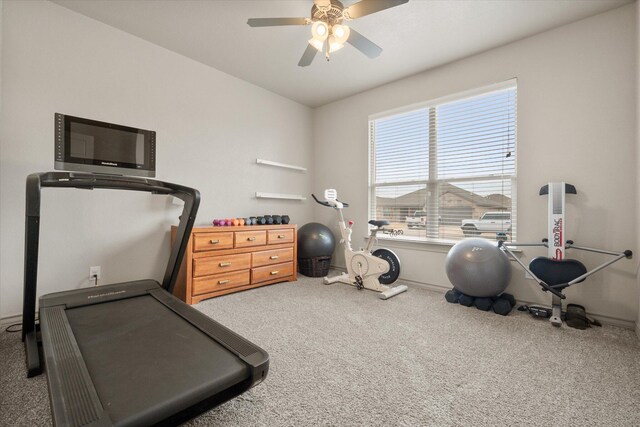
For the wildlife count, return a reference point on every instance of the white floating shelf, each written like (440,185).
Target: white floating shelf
(280,165)
(260,195)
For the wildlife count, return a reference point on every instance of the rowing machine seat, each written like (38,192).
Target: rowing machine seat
(557,272)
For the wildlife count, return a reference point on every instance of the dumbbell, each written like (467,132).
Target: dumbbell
(466,300)
(268,219)
(504,304)
(483,303)
(253,220)
(509,298)
(261,220)
(241,221)
(277,219)
(285,219)
(452,296)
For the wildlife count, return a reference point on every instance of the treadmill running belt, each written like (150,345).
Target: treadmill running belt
(175,365)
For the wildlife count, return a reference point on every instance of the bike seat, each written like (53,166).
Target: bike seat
(378,223)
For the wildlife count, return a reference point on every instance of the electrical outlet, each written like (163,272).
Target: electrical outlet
(94,271)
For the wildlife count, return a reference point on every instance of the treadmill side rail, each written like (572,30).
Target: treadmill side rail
(256,358)
(67,373)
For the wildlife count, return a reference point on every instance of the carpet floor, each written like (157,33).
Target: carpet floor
(342,357)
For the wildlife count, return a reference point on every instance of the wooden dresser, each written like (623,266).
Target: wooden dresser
(221,260)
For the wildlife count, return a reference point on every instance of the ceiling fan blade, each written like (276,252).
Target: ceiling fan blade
(363,44)
(274,22)
(307,56)
(367,7)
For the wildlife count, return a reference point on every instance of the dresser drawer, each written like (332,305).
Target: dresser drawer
(246,239)
(262,274)
(212,241)
(274,256)
(280,236)
(220,264)
(218,282)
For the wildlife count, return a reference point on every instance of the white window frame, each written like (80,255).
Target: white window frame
(433,180)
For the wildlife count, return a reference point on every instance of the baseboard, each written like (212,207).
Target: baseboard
(436,288)
(613,321)
(335,267)
(10,320)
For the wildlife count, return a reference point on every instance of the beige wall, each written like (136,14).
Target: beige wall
(210,127)
(576,123)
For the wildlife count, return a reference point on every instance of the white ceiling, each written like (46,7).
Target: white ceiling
(416,36)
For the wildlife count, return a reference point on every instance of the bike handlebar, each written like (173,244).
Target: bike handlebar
(327,204)
(322,203)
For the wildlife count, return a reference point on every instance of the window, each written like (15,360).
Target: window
(452,159)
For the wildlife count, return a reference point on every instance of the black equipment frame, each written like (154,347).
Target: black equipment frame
(87,369)
(36,181)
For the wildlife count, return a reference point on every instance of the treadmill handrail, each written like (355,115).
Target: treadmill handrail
(36,181)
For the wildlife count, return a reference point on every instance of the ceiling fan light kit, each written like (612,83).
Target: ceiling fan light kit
(319,30)
(340,32)
(328,32)
(334,45)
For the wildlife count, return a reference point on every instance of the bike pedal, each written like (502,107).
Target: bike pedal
(359,283)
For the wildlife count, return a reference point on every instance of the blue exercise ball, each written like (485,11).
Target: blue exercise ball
(478,267)
(315,240)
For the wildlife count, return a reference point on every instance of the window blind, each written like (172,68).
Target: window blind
(446,170)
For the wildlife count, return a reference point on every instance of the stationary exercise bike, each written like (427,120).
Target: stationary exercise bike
(365,269)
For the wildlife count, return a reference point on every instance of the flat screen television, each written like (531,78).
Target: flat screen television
(86,145)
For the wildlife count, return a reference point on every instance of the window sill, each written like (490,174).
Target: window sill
(414,243)
(402,242)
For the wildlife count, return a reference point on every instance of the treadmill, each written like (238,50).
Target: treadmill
(129,354)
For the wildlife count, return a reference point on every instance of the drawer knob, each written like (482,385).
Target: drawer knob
(280,236)
(222,282)
(225,264)
(251,239)
(274,257)
(214,242)
(275,272)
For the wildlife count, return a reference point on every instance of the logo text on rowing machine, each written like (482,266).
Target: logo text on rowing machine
(557,237)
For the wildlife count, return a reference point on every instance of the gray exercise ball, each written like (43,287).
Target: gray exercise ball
(315,240)
(477,267)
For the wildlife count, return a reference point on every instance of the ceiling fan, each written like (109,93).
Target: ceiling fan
(328,32)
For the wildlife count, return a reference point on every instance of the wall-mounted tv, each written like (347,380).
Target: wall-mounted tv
(91,146)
